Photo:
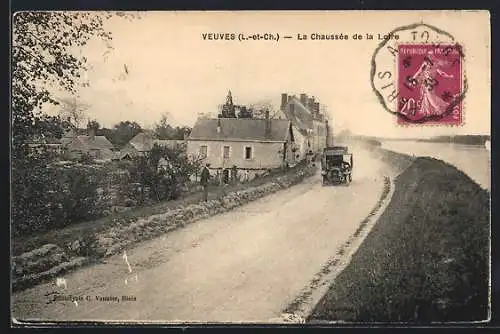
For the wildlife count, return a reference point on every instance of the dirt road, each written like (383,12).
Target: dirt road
(245,265)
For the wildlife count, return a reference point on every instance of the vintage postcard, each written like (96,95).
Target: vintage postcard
(264,167)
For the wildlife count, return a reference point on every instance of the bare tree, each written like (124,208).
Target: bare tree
(162,129)
(73,111)
(260,107)
(206,115)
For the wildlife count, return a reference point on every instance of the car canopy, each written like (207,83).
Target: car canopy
(335,150)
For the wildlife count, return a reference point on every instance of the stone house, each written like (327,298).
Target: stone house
(99,147)
(46,144)
(243,146)
(143,142)
(43,143)
(307,121)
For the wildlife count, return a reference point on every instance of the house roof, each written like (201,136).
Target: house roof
(240,129)
(69,135)
(95,142)
(121,155)
(142,141)
(300,117)
(145,141)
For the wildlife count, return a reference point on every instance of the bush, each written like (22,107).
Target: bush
(35,195)
(81,201)
(164,171)
(86,159)
(46,196)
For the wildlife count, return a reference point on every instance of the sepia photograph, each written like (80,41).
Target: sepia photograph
(250,167)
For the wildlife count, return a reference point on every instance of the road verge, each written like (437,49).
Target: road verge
(50,260)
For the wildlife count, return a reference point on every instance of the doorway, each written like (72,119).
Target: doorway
(225,176)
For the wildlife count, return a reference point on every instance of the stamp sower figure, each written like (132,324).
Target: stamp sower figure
(431,103)
(205,176)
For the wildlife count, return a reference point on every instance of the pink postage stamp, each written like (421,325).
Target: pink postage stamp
(430,84)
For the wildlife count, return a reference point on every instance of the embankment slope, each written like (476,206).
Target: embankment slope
(426,259)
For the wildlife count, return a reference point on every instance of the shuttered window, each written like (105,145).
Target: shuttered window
(203,151)
(226,152)
(248,152)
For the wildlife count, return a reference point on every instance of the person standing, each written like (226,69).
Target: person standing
(205,176)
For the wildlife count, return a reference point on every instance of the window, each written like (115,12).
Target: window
(248,152)
(225,152)
(203,151)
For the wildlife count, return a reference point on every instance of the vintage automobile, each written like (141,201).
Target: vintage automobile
(336,165)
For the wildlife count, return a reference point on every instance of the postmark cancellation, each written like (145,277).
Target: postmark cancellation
(420,77)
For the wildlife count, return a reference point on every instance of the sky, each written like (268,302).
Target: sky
(172,69)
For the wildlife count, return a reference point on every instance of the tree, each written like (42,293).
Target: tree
(49,127)
(206,115)
(260,107)
(41,58)
(166,180)
(244,112)
(93,125)
(183,131)
(162,129)
(42,62)
(73,111)
(124,131)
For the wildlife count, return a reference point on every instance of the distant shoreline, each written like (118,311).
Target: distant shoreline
(471,140)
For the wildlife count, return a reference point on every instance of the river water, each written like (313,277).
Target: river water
(475,161)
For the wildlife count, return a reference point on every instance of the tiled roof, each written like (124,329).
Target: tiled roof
(142,142)
(145,141)
(240,129)
(95,142)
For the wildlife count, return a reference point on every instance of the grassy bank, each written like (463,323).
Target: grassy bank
(426,259)
(61,251)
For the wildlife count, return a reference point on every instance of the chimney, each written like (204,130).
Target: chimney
(310,104)
(284,100)
(292,108)
(303,98)
(218,126)
(267,124)
(289,97)
(316,108)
